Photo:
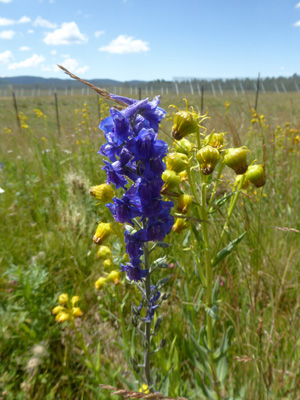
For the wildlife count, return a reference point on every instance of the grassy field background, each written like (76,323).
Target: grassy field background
(47,223)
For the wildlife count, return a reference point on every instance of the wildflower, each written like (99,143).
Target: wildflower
(77,312)
(144,389)
(103,192)
(236,158)
(171,179)
(74,300)
(114,276)
(103,231)
(227,105)
(183,146)
(176,162)
(183,203)
(256,175)
(63,298)
(100,283)
(62,316)
(183,176)
(208,157)
(104,252)
(185,123)
(180,225)
(107,263)
(215,140)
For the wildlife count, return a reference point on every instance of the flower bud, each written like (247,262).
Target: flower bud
(183,146)
(215,140)
(171,179)
(103,231)
(176,162)
(57,309)
(104,252)
(180,225)
(236,158)
(256,175)
(74,300)
(183,176)
(63,298)
(114,276)
(208,158)
(103,192)
(100,283)
(77,312)
(185,123)
(107,263)
(62,317)
(183,203)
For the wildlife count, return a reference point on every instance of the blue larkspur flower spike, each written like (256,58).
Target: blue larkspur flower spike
(136,165)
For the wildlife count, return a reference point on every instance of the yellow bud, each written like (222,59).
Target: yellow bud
(256,175)
(63,298)
(215,140)
(103,192)
(103,231)
(183,203)
(114,276)
(100,283)
(208,157)
(171,179)
(62,317)
(236,158)
(74,300)
(183,146)
(185,123)
(176,162)
(77,312)
(180,225)
(57,309)
(183,176)
(104,252)
(144,389)
(107,263)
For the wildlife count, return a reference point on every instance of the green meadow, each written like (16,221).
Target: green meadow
(48,220)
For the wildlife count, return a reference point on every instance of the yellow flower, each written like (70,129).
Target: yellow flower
(63,298)
(144,389)
(208,157)
(180,225)
(57,309)
(236,158)
(103,192)
(77,312)
(114,276)
(62,317)
(183,203)
(103,231)
(104,252)
(100,283)
(107,263)
(74,300)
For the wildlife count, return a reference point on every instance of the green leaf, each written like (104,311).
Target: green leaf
(227,250)
(215,291)
(213,312)
(222,369)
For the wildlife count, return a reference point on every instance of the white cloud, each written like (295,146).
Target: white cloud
(124,44)
(53,52)
(297,5)
(5,1)
(72,65)
(33,61)
(7,22)
(6,57)
(99,33)
(30,31)
(44,23)
(68,34)
(297,23)
(7,34)
(82,70)
(24,48)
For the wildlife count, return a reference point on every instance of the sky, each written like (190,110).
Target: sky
(150,39)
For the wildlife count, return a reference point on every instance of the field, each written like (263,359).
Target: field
(48,220)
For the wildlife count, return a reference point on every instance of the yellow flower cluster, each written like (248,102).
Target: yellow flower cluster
(67,309)
(39,113)
(113,276)
(23,120)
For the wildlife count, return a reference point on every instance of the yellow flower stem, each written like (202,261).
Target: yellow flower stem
(214,191)
(231,207)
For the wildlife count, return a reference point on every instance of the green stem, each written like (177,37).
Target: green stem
(147,337)
(231,207)
(214,191)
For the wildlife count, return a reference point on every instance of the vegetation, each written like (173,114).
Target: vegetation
(46,249)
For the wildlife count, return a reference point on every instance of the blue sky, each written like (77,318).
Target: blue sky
(150,39)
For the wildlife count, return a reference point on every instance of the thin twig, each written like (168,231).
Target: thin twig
(102,92)
(128,394)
